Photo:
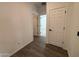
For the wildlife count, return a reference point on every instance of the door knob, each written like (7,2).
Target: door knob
(50,29)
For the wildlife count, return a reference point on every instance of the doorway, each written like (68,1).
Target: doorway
(43,25)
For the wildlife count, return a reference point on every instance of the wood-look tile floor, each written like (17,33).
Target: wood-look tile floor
(38,48)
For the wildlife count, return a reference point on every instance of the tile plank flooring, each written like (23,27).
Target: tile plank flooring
(38,48)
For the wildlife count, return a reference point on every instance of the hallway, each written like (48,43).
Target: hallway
(37,48)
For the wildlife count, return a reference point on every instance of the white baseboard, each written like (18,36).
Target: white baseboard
(69,53)
(5,54)
(10,54)
(20,48)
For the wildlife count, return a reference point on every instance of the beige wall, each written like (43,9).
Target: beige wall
(74,41)
(35,25)
(16,27)
(35,20)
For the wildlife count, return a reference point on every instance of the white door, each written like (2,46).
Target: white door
(57,27)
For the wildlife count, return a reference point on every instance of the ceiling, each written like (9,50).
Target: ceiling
(39,4)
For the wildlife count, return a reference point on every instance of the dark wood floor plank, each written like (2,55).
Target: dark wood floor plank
(38,48)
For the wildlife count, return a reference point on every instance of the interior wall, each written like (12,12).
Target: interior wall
(16,27)
(74,41)
(35,19)
(35,25)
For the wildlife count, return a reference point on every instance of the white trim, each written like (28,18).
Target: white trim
(10,54)
(20,48)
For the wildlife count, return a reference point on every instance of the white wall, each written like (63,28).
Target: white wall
(74,40)
(16,27)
